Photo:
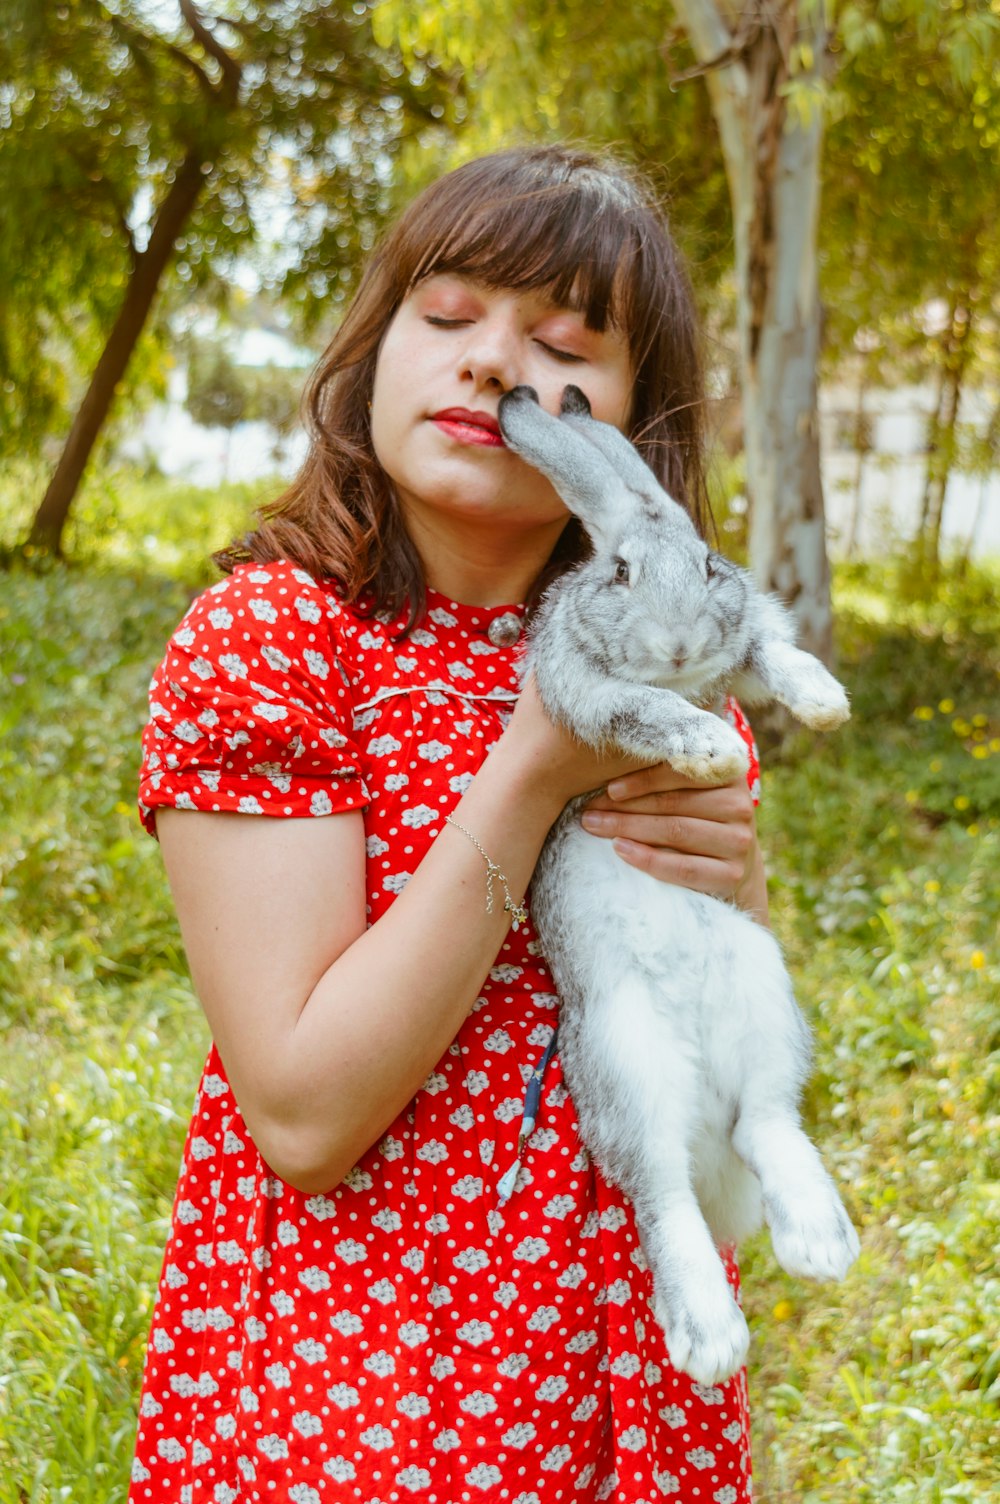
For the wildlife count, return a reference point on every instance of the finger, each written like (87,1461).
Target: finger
(729,801)
(703,874)
(728,840)
(656,779)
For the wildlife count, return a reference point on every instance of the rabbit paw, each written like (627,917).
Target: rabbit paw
(707,1339)
(814,1238)
(708,752)
(818,700)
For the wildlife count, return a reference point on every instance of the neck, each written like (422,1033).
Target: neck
(473,570)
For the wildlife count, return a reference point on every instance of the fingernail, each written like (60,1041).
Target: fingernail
(592,820)
(617,790)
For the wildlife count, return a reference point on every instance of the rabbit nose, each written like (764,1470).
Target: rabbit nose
(679,656)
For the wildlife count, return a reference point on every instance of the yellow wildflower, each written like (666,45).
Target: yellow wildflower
(977,960)
(962,802)
(946,707)
(783,1310)
(924,713)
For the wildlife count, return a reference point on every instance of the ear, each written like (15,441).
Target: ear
(579,472)
(610,442)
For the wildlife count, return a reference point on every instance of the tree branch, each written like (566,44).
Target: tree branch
(142,43)
(232,73)
(737,50)
(706,27)
(93,174)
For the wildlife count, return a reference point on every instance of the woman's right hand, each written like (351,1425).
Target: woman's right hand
(567,767)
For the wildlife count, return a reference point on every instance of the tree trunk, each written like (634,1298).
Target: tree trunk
(990,444)
(860,451)
(772,163)
(148,266)
(941,445)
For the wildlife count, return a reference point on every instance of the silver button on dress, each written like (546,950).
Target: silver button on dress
(503,631)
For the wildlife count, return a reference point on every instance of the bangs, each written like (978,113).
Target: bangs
(580,240)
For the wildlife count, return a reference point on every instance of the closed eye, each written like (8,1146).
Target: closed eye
(440,323)
(566,356)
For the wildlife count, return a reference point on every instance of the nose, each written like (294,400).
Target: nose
(490,356)
(675,651)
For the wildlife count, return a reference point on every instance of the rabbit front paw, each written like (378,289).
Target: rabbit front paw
(817,699)
(707,751)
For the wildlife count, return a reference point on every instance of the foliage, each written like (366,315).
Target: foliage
(295,111)
(223,393)
(216,393)
(911,198)
(882,1391)
(169,527)
(572,73)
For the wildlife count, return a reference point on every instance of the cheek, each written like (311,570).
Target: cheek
(610,397)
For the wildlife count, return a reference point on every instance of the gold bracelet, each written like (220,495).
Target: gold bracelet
(518,912)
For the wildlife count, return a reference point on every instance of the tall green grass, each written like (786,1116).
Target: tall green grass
(883,848)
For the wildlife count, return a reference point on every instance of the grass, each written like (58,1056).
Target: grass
(883,849)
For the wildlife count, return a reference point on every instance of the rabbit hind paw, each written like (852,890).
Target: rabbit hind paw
(814,1241)
(709,1345)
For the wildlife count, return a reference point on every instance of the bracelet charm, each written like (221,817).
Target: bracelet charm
(517,911)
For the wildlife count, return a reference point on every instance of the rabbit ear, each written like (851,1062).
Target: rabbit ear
(610,442)
(579,472)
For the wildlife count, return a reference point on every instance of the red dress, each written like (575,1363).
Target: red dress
(409,1334)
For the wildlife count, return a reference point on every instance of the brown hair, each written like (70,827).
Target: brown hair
(543,217)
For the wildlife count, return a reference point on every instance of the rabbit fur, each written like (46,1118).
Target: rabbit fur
(682,1044)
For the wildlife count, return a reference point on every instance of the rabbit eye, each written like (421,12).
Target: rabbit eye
(710,569)
(621,572)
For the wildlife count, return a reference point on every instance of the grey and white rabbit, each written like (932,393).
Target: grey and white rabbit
(682,1044)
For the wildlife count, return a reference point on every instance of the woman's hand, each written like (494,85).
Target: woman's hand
(695,835)
(552,757)
(683,832)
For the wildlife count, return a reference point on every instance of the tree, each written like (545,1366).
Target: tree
(771,135)
(218,393)
(134,143)
(911,261)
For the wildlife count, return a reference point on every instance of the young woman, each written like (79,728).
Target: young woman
(377,1287)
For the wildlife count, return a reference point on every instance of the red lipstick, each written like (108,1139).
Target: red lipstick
(469,427)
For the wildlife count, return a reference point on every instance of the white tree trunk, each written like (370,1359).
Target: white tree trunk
(773,165)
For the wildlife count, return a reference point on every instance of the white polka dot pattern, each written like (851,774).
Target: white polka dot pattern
(403,1336)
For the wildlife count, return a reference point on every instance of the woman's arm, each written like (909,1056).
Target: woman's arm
(326,1028)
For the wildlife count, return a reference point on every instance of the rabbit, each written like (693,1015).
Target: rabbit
(682,1045)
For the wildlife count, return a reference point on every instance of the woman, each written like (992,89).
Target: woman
(355,1304)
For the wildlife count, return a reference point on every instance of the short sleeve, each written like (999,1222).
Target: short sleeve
(739,722)
(249,710)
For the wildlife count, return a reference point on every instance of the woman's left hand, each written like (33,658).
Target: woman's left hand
(682,832)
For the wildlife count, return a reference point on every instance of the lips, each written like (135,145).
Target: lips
(469,427)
